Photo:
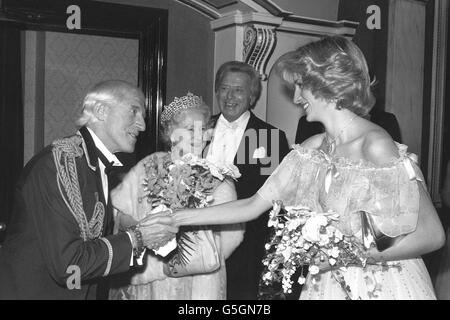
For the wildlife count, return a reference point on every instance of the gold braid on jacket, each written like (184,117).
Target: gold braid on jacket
(65,151)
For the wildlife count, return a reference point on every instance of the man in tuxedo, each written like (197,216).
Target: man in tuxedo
(59,243)
(256,148)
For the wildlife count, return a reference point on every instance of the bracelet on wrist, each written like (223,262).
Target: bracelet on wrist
(137,251)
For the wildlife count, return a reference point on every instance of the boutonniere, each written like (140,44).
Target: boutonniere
(259,153)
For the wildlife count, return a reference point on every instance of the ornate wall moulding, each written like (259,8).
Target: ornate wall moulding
(259,43)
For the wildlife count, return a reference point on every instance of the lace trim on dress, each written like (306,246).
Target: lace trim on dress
(322,182)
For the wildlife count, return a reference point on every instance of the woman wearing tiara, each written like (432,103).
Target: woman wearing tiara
(354,166)
(180,122)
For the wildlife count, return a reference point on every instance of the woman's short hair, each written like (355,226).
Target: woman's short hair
(238,66)
(176,112)
(334,69)
(107,92)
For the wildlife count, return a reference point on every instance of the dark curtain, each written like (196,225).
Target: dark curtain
(11,116)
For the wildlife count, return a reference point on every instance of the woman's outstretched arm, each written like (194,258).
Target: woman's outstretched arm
(231,212)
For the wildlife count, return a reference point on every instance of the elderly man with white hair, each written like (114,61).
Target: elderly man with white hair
(59,243)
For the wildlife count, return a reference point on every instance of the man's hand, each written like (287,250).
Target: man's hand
(157,229)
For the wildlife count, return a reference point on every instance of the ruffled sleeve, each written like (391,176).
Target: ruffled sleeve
(297,180)
(393,200)
(389,193)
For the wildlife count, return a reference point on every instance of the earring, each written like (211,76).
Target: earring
(336,102)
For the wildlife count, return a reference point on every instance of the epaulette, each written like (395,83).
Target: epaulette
(69,146)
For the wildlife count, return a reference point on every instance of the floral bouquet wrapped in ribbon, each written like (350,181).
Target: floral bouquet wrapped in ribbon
(304,238)
(184,183)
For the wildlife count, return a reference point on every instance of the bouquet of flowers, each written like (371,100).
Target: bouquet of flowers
(184,183)
(307,238)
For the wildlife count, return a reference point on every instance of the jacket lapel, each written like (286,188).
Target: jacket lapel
(212,124)
(251,124)
(93,162)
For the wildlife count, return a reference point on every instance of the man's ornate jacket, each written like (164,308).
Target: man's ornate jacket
(59,242)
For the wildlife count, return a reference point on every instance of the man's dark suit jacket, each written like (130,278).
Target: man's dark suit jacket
(384,119)
(43,238)
(244,266)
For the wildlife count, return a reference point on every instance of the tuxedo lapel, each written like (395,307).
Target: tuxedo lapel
(251,124)
(92,159)
(212,124)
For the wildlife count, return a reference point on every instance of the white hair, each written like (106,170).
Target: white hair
(106,92)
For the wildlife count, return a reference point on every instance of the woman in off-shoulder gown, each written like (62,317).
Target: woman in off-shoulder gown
(353,167)
(388,192)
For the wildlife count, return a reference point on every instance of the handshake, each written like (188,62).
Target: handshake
(154,231)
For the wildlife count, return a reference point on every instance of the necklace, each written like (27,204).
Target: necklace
(332,141)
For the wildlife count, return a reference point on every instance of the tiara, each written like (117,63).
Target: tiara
(189,101)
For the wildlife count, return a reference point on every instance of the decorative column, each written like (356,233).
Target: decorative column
(259,42)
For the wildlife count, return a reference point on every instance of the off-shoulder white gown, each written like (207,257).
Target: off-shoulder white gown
(389,193)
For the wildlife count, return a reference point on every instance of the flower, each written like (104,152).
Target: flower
(287,253)
(311,229)
(314,269)
(301,280)
(187,182)
(231,170)
(267,276)
(293,224)
(334,252)
(338,234)
(301,237)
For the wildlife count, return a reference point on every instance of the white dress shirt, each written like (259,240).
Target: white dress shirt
(227,138)
(109,156)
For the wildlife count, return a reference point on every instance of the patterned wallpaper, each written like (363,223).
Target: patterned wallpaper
(73,64)
(29,81)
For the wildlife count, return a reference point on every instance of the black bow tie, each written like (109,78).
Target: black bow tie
(114,173)
(109,167)
(108,164)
